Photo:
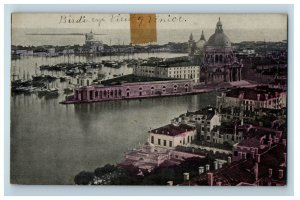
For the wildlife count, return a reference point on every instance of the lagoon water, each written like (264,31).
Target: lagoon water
(51,142)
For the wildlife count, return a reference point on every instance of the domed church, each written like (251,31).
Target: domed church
(218,62)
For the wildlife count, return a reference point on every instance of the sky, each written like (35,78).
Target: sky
(117,21)
(238,27)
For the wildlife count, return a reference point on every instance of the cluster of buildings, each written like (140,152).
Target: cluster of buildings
(254,98)
(257,151)
(209,62)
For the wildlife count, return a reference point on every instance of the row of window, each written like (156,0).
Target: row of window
(164,142)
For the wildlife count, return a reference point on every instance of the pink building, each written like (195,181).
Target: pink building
(131,87)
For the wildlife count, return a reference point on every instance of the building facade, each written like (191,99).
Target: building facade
(133,90)
(179,69)
(253,98)
(205,120)
(171,135)
(219,62)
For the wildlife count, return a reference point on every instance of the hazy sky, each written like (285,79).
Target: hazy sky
(238,27)
(188,21)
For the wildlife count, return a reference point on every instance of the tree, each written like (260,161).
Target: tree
(84,178)
(104,170)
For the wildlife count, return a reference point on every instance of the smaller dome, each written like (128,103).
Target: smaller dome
(200,44)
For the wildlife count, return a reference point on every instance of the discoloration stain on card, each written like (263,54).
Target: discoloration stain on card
(143,28)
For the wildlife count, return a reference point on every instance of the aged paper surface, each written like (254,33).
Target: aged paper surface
(149,99)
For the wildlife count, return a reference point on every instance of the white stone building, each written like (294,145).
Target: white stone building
(171,68)
(171,135)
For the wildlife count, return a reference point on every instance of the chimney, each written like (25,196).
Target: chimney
(253,154)
(201,170)
(270,143)
(284,142)
(284,157)
(170,183)
(280,173)
(207,167)
(220,165)
(210,179)
(228,159)
(186,176)
(256,171)
(258,97)
(267,96)
(258,158)
(216,164)
(270,172)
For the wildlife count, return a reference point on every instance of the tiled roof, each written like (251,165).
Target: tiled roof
(252,93)
(173,130)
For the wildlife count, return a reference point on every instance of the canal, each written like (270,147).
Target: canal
(51,142)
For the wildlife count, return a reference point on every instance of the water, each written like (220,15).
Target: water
(51,142)
(120,36)
(26,66)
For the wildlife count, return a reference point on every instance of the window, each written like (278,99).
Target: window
(235,153)
(188,139)
(165,143)
(158,141)
(170,143)
(152,139)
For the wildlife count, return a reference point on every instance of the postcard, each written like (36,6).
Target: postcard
(149,99)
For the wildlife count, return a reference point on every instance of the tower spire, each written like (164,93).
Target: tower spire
(191,36)
(202,36)
(219,28)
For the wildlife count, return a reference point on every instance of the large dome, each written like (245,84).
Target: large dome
(219,38)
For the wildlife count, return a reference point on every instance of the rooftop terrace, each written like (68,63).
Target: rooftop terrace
(172,130)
